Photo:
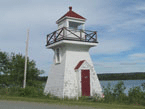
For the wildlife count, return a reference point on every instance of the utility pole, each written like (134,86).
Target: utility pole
(26,55)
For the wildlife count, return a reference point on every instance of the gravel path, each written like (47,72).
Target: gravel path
(31,105)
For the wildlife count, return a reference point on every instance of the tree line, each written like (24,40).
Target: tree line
(12,70)
(122,76)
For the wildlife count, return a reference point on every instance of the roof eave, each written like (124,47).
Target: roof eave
(59,20)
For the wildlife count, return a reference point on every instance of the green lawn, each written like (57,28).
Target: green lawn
(80,103)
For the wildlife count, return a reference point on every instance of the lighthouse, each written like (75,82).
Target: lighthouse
(72,73)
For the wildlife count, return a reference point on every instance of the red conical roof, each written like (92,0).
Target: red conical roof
(71,13)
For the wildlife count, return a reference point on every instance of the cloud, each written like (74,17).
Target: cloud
(132,25)
(119,67)
(113,46)
(128,63)
(129,18)
(137,56)
(140,7)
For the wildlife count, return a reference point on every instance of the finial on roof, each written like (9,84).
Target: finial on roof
(70,8)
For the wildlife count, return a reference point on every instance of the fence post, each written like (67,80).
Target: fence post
(63,32)
(55,37)
(80,34)
(96,36)
(47,40)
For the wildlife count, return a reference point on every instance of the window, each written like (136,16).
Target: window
(57,55)
(75,25)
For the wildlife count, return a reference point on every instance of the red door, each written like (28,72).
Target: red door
(85,75)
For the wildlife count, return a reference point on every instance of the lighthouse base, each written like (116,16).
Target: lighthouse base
(82,82)
(74,76)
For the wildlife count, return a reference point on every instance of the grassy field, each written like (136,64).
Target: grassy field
(114,97)
(71,102)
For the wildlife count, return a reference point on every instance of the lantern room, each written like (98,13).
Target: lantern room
(71,20)
(71,26)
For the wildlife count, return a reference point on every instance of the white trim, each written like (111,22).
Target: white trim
(71,42)
(66,17)
(75,20)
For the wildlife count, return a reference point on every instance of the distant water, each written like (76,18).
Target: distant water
(127,83)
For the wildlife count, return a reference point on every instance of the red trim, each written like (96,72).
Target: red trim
(71,13)
(79,64)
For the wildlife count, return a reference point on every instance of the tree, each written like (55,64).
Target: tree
(4,62)
(13,67)
(4,68)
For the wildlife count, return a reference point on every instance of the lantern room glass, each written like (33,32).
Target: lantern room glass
(76,25)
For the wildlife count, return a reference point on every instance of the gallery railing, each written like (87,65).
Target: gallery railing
(71,34)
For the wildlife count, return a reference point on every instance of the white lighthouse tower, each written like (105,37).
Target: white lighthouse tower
(72,73)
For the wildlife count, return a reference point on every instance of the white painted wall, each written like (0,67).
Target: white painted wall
(55,81)
(63,80)
(74,54)
(63,23)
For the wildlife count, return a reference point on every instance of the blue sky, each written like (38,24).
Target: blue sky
(120,25)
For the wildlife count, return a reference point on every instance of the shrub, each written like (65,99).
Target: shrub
(119,89)
(143,86)
(32,92)
(118,92)
(18,91)
(135,94)
(3,91)
(108,94)
(14,91)
(115,94)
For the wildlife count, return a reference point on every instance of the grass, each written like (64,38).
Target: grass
(114,97)
(71,102)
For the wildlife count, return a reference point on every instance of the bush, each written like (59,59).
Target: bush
(3,91)
(108,93)
(143,86)
(118,90)
(32,92)
(14,91)
(135,94)
(18,91)
(115,94)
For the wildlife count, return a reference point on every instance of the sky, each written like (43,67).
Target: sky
(120,25)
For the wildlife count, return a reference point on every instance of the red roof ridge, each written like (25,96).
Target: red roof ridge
(73,14)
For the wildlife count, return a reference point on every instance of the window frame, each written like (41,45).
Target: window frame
(57,56)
